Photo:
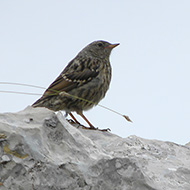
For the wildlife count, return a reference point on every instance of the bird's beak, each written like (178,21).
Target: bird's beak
(112,46)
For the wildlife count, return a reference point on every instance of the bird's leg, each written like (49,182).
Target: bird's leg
(74,118)
(90,124)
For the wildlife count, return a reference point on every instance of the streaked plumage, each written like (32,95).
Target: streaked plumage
(87,77)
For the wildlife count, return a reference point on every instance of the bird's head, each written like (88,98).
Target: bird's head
(99,49)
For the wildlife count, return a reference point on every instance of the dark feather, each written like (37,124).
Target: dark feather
(70,78)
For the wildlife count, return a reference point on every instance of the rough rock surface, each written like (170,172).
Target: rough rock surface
(40,150)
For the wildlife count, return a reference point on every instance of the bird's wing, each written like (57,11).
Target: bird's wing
(77,73)
(72,77)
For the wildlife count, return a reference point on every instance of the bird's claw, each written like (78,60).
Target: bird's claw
(94,128)
(108,129)
(71,121)
(89,128)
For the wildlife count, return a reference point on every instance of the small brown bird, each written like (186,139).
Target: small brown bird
(83,83)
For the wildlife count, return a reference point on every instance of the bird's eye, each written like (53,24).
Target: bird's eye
(100,44)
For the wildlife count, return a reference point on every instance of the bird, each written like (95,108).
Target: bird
(83,82)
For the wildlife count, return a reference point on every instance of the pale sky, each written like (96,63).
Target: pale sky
(150,69)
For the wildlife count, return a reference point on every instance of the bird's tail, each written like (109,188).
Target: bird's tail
(42,102)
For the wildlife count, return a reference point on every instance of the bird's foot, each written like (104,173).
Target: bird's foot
(94,128)
(108,129)
(75,124)
(72,122)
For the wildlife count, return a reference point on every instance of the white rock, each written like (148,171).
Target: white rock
(5,158)
(45,152)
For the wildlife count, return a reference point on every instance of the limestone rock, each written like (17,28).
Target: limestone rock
(40,150)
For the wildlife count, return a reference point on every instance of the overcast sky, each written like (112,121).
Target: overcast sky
(150,68)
